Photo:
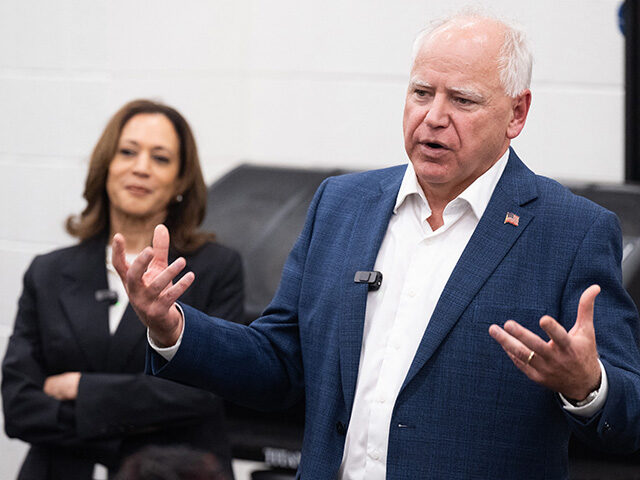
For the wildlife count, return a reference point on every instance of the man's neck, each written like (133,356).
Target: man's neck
(438,201)
(440,195)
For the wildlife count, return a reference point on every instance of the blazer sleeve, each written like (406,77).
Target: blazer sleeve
(616,325)
(118,404)
(30,414)
(260,365)
(226,298)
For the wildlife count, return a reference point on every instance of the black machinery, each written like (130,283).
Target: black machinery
(260,211)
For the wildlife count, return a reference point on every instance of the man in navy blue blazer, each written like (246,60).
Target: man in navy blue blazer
(405,381)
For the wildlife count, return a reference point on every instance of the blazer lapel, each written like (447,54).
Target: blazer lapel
(129,334)
(367,235)
(488,245)
(81,277)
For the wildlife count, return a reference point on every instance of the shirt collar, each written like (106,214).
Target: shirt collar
(409,186)
(477,195)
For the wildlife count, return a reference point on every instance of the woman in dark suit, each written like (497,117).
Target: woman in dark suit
(72,381)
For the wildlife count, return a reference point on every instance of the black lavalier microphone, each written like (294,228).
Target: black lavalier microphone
(374,279)
(106,295)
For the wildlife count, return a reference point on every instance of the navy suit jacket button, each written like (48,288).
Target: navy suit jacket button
(340,428)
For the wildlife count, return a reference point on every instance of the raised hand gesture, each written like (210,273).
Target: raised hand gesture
(149,284)
(568,362)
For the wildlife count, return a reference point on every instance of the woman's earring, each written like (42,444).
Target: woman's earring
(178,198)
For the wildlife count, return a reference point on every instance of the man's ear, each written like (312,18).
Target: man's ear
(520,110)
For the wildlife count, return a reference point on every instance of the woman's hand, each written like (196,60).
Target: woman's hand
(63,386)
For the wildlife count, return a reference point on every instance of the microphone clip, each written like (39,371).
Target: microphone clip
(372,278)
(106,295)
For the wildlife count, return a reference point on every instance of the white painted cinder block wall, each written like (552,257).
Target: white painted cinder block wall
(285,82)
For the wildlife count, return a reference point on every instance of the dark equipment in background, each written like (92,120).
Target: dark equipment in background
(261,210)
(624,201)
(631,27)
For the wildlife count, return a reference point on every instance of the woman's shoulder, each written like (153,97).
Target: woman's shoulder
(60,254)
(213,265)
(45,269)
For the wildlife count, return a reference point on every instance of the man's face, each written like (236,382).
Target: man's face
(458,120)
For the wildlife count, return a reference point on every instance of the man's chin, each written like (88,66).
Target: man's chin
(430,172)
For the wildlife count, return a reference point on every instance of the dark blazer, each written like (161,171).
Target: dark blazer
(464,410)
(60,327)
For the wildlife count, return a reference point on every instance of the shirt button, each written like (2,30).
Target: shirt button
(412,293)
(375,455)
(381,400)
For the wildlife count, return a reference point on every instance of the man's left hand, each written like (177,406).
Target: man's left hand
(568,362)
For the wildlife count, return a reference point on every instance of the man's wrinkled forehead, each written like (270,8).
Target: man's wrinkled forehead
(473,33)
(472,43)
(469,29)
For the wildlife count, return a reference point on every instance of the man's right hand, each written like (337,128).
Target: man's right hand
(149,284)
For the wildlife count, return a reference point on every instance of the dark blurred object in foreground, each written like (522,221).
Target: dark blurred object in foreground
(171,463)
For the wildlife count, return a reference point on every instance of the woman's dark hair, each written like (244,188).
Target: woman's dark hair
(183,217)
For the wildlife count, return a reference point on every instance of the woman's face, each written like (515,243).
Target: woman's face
(143,174)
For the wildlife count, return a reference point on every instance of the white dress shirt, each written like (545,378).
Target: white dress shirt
(115,284)
(416,263)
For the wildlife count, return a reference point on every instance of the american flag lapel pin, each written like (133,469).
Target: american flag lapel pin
(512,218)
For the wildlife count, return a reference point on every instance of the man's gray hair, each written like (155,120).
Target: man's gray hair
(515,61)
